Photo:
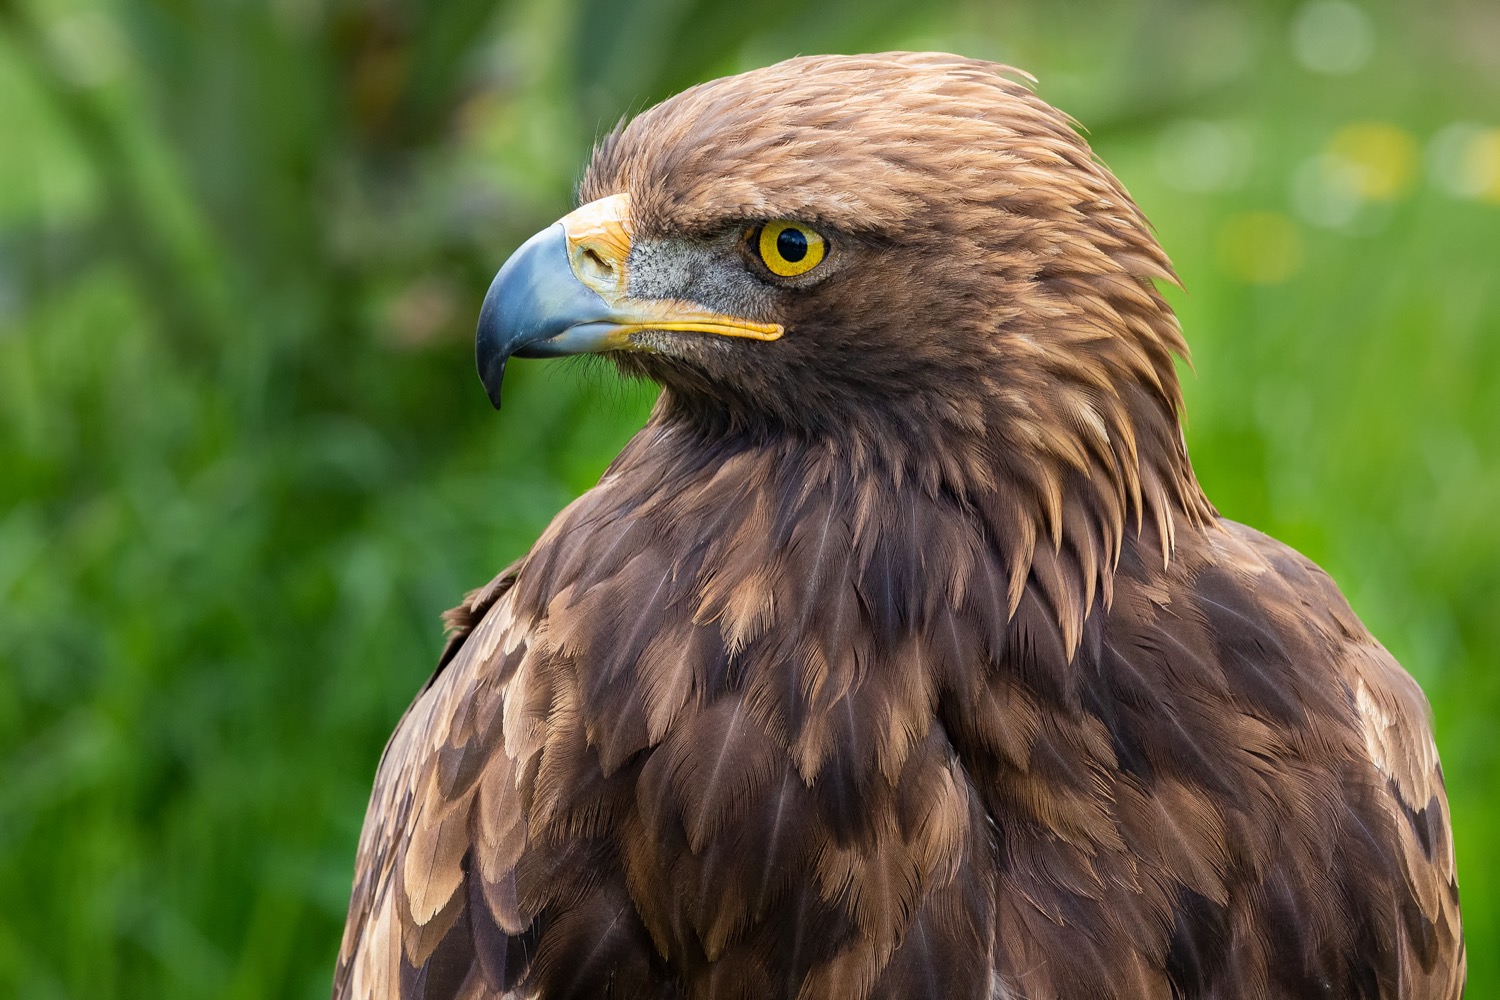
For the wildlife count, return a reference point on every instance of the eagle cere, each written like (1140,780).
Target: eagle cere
(899,655)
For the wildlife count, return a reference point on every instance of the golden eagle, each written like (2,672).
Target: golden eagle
(899,655)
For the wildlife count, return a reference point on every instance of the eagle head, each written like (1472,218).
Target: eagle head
(910,249)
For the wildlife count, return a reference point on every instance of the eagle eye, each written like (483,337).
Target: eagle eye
(789,248)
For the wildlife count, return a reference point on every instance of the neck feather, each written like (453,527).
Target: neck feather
(948,498)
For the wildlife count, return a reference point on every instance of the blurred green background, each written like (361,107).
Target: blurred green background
(245,461)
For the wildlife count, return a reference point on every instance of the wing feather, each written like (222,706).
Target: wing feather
(410,907)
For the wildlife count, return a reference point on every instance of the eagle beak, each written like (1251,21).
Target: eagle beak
(565,291)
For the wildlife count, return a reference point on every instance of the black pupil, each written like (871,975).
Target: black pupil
(791,244)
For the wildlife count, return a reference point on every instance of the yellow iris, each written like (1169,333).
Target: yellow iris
(790,248)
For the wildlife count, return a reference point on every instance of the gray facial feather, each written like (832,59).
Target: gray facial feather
(712,273)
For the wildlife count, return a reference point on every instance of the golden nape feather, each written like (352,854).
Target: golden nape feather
(899,655)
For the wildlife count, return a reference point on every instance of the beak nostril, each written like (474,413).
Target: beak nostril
(597,262)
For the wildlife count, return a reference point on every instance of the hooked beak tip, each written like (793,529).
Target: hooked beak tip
(490,347)
(492,385)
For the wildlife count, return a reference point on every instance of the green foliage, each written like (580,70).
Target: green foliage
(244,459)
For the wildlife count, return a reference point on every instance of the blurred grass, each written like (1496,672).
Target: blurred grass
(244,460)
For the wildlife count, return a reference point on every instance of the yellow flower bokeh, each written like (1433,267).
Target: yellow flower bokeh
(1382,158)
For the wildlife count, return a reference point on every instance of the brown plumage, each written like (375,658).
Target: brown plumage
(900,655)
